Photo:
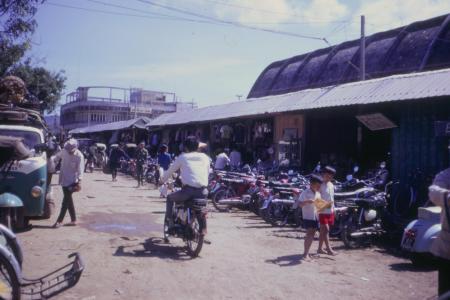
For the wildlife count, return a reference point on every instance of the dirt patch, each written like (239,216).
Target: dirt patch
(121,223)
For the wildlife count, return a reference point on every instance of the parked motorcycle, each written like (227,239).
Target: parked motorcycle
(359,217)
(189,224)
(152,174)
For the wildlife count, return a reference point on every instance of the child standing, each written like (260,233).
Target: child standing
(326,216)
(309,212)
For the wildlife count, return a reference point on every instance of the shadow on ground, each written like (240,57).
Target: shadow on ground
(287,260)
(154,247)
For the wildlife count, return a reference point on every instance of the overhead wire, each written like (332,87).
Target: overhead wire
(236,24)
(270,11)
(158,16)
(200,18)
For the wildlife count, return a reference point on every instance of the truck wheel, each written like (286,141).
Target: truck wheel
(5,217)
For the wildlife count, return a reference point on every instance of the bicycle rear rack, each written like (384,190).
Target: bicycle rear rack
(55,282)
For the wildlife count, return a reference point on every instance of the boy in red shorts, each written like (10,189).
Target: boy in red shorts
(326,215)
(309,212)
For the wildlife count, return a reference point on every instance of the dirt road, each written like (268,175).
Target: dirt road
(119,237)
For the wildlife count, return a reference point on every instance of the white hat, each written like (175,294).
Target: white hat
(71,145)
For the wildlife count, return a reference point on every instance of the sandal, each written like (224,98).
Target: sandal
(57,225)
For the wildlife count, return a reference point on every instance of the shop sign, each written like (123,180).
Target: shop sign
(376,121)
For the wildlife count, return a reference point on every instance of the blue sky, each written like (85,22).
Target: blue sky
(204,62)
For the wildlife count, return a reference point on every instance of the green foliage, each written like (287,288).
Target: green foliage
(46,86)
(17,26)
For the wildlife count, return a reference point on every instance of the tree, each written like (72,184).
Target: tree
(17,25)
(46,86)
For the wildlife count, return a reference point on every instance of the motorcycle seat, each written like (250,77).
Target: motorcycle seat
(353,193)
(195,203)
(432,213)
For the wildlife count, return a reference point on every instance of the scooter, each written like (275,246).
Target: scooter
(420,234)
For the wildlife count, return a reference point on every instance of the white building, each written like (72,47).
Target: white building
(93,105)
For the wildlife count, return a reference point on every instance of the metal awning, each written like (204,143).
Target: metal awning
(140,122)
(393,88)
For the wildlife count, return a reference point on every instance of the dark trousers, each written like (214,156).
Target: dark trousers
(182,196)
(444,276)
(113,170)
(67,204)
(140,173)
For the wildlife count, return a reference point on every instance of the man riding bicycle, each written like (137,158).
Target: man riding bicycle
(194,171)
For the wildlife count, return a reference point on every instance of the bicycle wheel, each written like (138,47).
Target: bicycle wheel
(9,282)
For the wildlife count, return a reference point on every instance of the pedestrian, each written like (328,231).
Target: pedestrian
(439,193)
(326,215)
(309,212)
(222,160)
(235,158)
(114,159)
(71,173)
(141,159)
(164,158)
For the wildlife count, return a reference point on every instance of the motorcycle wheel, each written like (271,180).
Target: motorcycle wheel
(9,281)
(222,194)
(195,239)
(348,228)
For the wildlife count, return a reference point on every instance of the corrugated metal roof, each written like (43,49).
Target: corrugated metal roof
(140,122)
(392,88)
(420,46)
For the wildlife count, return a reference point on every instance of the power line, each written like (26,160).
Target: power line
(214,19)
(172,16)
(140,11)
(267,11)
(157,16)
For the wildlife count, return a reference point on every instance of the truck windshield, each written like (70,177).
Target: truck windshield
(30,139)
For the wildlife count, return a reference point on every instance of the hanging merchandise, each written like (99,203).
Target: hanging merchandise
(259,130)
(226,132)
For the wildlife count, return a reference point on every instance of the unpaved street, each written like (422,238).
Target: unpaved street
(119,237)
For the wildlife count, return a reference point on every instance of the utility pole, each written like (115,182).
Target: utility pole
(362,59)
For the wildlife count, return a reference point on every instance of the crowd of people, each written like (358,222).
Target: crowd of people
(316,202)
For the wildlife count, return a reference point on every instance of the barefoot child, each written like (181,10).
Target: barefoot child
(309,212)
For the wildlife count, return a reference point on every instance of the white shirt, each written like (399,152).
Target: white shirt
(327,194)
(235,158)
(194,169)
(72,167)
(309,211)
(221,161)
